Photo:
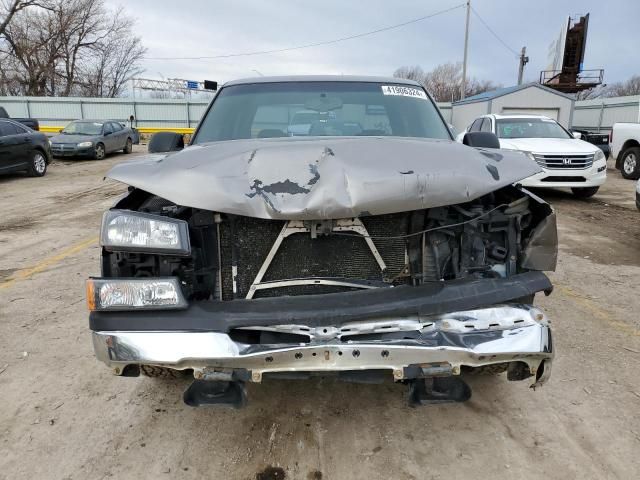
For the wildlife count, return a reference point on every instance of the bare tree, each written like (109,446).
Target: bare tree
(411,73)
(629,87)
(9,8)
(443,82)
(592,93)
(112,67)
(617,89)
(72,47)
(28,54)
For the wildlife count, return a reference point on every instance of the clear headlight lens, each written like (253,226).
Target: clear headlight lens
(134,293)
(599,156)
(85,144)
(141,232)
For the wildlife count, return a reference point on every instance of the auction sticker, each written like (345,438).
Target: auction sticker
(404,91)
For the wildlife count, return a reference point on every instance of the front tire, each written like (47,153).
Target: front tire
(99,152)
(38,166)
(584,192)
(128,148)
(630,166)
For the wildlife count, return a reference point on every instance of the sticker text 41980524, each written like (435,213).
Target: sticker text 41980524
(404,91)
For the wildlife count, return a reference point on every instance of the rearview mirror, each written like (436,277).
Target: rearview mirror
(162,142)
(323,104)
(577,135)
(481,140)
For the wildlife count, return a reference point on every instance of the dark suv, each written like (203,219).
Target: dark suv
(369,246)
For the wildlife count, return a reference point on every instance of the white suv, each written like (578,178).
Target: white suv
(566,161)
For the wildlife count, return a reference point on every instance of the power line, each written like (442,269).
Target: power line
(494,33)
(317,44)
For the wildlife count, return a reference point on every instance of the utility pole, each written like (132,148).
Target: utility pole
(463,84)
(523,61)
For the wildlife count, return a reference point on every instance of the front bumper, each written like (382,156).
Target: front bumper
(58,150)
(408,348)
(593,176)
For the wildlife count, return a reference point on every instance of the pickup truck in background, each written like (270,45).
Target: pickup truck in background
(625,148)
(600,140)
(32,123)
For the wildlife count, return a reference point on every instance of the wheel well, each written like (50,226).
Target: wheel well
(628,144)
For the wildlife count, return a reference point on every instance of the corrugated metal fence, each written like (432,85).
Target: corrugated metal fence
(151,115)
(600,114)
(182,116)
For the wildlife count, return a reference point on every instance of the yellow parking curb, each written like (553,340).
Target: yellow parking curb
(187,131)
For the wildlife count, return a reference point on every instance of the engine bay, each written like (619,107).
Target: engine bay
(235,257)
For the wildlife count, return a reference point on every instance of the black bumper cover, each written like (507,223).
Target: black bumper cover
(333,309)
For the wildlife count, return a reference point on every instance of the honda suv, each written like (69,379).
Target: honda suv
(566,161)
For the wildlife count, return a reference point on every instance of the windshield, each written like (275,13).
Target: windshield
(83,128)
(530,128)
(266,110)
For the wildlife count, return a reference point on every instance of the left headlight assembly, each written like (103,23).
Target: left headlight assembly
(134,293)
(85,144)
(128,231)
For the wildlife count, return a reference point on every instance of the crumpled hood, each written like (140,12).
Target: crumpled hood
(322,178)
(73,138)
(549,145)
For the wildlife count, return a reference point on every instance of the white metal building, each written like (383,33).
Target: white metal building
(531,98)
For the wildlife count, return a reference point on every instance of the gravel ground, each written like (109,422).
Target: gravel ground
(64,416)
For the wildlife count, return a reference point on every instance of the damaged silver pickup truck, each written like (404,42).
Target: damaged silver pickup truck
(363,243)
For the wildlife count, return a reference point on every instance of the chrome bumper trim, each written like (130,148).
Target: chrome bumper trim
(209,352)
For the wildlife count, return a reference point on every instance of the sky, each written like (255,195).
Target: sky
(197,28)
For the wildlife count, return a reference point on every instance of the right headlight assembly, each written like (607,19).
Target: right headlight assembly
(125,230)
(599,155)
(531,156)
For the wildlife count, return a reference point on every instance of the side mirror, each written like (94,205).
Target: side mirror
(162,142)
(577,135)
(481,140)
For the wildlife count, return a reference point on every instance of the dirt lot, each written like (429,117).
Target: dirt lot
(64,416)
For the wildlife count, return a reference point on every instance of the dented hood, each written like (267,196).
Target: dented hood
(322,178)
